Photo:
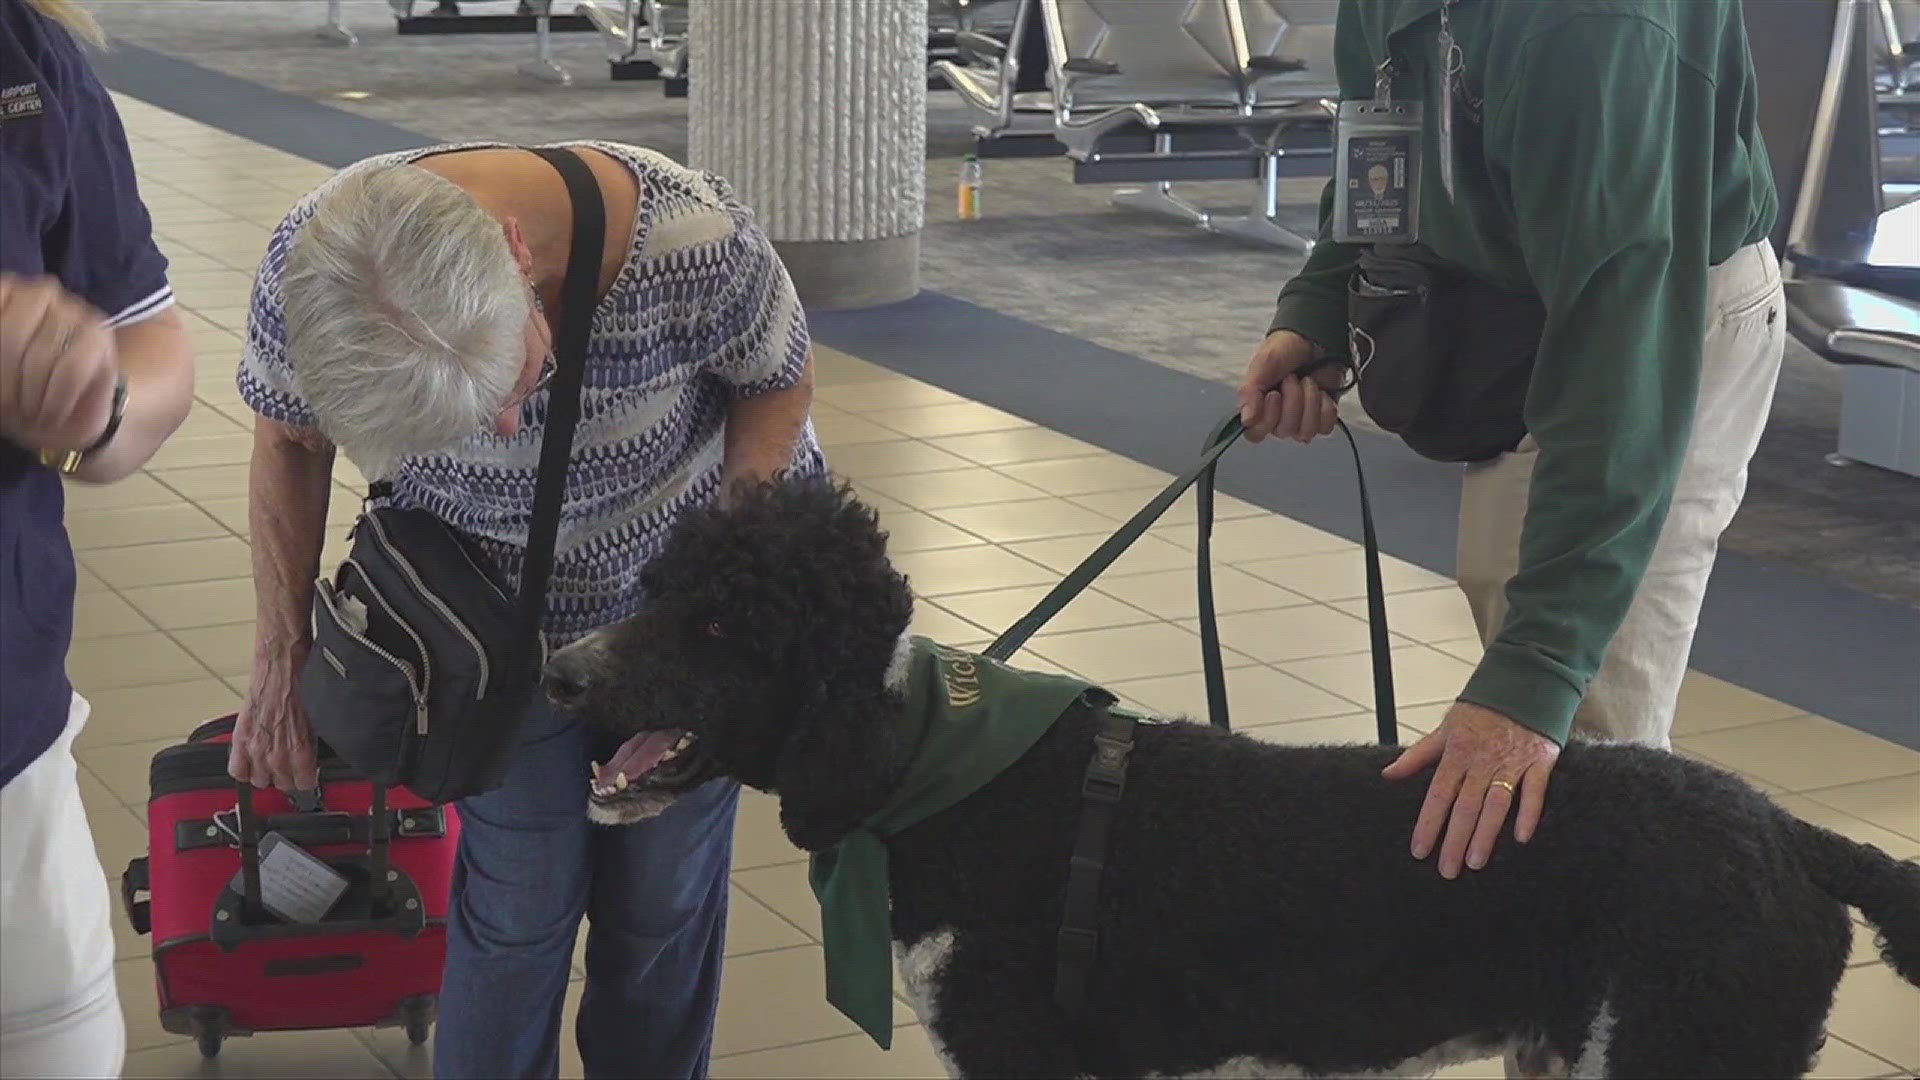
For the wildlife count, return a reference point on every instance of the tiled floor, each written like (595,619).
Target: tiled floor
(985,511)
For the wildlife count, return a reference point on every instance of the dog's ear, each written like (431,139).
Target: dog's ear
(836,768)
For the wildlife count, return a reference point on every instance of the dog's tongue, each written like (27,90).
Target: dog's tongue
(636,757)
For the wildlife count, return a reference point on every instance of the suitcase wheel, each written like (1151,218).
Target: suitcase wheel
(417,1016)
(210,1043)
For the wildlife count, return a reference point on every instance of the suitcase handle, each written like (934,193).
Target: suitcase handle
(379,839)
(330,827)
(134,881)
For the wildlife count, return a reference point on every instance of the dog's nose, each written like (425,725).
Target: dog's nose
(565,679)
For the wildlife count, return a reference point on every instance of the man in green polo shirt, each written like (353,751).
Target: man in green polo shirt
(1606,158)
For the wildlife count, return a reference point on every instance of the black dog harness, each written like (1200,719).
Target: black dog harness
(1106,777)
(1100,793)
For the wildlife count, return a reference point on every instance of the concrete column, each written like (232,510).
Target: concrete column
(816,112)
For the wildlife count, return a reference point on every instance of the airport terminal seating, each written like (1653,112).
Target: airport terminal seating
(1853,290)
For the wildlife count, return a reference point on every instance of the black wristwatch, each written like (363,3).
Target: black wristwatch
(69,461)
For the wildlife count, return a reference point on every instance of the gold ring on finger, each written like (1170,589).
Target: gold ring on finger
(1507,784)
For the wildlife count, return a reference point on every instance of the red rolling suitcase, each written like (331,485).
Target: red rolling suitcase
(225,964)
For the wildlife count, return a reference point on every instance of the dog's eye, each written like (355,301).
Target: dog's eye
(714,629)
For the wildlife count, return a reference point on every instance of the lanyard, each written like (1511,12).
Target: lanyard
(1450,73)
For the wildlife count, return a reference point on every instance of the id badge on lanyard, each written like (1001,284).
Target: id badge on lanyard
(1376,173)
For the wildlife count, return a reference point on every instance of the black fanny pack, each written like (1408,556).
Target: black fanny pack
(1443,358)
(423,665)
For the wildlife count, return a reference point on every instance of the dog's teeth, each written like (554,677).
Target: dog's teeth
(595,770)
(620,782)
(669,755)
(685,741)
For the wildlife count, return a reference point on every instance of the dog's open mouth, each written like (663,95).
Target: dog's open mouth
(672,760)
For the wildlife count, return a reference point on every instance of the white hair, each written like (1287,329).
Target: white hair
(406,315)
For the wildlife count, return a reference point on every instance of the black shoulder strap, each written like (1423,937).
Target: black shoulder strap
(579,294)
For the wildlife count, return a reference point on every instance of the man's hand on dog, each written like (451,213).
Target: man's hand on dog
(1476,746)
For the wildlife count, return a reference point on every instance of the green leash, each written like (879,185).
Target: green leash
(1219,442)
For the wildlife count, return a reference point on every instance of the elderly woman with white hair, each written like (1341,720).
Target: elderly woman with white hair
(402,314)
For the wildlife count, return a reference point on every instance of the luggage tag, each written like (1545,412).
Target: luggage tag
(294,883)
(1376,195)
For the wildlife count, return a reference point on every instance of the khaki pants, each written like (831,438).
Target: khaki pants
(1632,698)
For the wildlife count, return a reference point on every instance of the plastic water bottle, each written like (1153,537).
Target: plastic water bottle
(970,181)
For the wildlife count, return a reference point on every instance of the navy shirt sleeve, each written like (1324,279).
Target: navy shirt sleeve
(70,208)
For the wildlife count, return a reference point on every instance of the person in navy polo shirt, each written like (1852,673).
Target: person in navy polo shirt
(95,373)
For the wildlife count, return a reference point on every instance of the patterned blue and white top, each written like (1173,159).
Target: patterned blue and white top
(701,314)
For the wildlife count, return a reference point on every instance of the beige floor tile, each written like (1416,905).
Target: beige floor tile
(1893,803)
(1256,539)
(231,513)
(1806,752)
(86,582)
(1173,594)
(786,891)
(836,429)
(1420,676)
(146,713)
(1295,633)
(1417,720)
(1710,704)
(1865,950)
(119,837)
(957,418)
(1121,505)
(882,503)
(122,768)
(1147,555)
(93,793)
(854,1057)
(226,650)
(92,530)
(208,559)
(757,838)
(1085,476)
(1341,575)
(1895,844)
(1255,696)
(933,621)
(323,1055)
(1875,1010)
(1681,747)
(192,452)
(1028,519)
(954,488)
(884,395)
(129,660)
(1468,649)
(195,603)
(871,461)
(1346,729)
(1129,652)
(1841,1060)
(778,999)
(203,423)
(1429,616)
(140,1002)
(140,489)
(913,530)
(1484,1069)
(1015,445)
(104,614)
(206,481)
(969,569)
(753,927)
(997,609)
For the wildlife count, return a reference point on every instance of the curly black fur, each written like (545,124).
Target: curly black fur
(1260,910)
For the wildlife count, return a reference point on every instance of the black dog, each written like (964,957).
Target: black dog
(1261,915)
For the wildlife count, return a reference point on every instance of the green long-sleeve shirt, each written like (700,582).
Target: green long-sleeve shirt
(1617,157)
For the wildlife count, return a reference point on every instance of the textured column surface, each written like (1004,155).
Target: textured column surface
(815,111)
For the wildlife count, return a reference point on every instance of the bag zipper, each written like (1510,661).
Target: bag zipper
(426,658)
(439,605)
(327,594)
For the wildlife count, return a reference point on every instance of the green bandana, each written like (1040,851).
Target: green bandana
(967,718)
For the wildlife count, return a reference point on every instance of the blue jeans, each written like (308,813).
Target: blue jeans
(655,894)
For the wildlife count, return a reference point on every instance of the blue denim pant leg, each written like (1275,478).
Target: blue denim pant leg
(529,862)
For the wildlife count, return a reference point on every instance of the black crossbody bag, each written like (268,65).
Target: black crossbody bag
(423,666)
(1443,358)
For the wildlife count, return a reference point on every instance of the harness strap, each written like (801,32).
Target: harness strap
(1105,783)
